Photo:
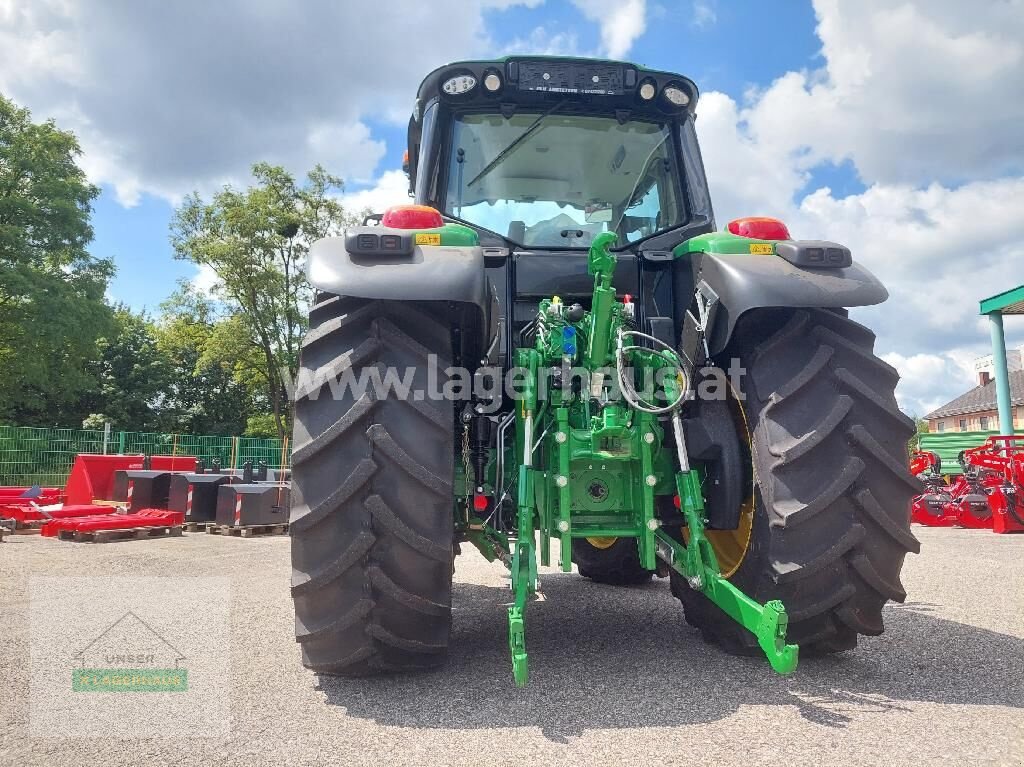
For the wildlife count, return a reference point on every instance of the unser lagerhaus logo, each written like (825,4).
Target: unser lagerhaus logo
(129,656)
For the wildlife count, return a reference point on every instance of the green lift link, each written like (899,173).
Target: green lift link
(601,464)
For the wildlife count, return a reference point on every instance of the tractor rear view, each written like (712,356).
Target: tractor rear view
(554,349)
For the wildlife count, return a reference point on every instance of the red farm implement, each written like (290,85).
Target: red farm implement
(988,495)
(38,494)
(116,497)
(147,523)
(1000,464)
(969,499)
(932,507)
(92,476)
(88,494)
(100,522)
(33,517)
(21,505)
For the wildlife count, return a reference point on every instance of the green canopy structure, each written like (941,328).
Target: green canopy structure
(1008,302)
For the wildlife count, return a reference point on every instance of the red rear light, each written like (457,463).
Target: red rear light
(759,228)
(480,502)
(412,217)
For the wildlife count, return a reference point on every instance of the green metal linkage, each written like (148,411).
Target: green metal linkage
(601,264)
(697,563)
(524,578)
(524,556)
(491,543)
(600,463)
(564,491)
(648,523)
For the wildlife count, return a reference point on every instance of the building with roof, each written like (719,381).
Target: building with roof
(978,409)
(995,403)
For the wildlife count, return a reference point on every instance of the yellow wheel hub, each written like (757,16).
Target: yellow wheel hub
(731,546)
(602,542)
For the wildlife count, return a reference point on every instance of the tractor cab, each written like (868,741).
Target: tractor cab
(541,155)
(546,153)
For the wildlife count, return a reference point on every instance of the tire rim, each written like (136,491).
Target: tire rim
(731,546)
(602,542)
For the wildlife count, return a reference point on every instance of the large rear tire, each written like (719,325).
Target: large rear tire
(831,524)
(371,517)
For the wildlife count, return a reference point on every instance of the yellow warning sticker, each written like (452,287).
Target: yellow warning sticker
(762,248)
(430,238)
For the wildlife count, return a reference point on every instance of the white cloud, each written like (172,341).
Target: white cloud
(168,97)
(502,5)
(746,177)
(704,14)
(910,92)
(929,119)
(925,100)
(937,249)
(927,379)
(333,144)
(541,42)
(621,21)
(392,188)
(940,250)
(205,281)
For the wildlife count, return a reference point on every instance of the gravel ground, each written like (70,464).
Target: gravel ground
(617,676)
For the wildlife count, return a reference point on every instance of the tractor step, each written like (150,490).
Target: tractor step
(247,531)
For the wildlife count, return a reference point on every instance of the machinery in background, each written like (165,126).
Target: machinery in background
(988,494)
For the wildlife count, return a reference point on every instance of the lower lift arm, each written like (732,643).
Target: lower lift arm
(698,564)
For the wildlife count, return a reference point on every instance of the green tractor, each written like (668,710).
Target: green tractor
(556,349)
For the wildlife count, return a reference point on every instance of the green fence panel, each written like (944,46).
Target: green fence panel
(33,456)
(948,445)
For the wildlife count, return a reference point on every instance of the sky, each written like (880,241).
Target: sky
(891,127)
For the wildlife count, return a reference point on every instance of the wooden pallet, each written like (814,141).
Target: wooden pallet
(249,530)
(124,534)
(197,527)
(119,505)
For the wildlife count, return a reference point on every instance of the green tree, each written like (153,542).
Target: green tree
(205,394)
(256,241)
(132,374)
(51,290)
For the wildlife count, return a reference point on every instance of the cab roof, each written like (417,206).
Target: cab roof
(539,80)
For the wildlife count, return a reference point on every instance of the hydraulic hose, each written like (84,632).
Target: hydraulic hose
(665,352)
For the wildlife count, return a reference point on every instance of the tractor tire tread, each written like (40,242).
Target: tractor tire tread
(829,543)
(371,519)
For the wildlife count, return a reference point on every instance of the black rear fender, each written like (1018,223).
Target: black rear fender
(742,283)
(429,273)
